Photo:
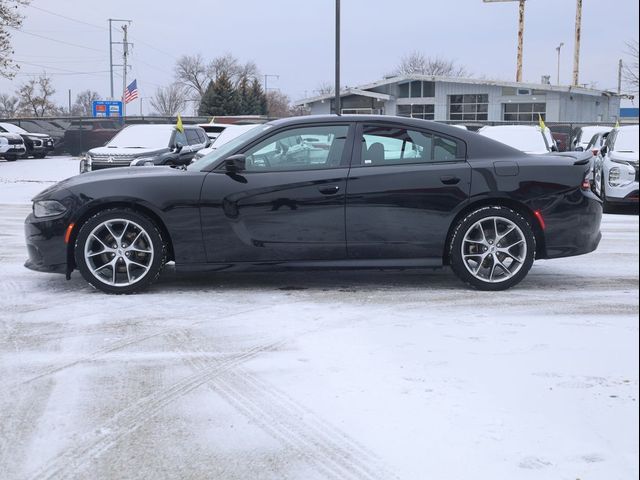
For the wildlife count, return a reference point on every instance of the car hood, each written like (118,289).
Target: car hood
(79,182)
(38,135)
(11,136)
(133,152)
(631,157)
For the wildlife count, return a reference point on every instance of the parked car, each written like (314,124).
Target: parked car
(385,192)
(47,127)
(583,135)
(616,167)
(597,142)
(11,146)
(229,133)
(213,129)
(526,138)
(38,145)
(88,133)
(147,145)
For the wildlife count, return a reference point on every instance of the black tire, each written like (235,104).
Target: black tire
(606,205)
(467,223)
(154,237)
(40,155)
(11,158)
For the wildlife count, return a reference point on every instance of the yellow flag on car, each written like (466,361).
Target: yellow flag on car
(617,125)
(179,126)
(541,122)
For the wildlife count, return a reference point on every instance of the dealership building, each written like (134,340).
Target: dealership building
(471,100)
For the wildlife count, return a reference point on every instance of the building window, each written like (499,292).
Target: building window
(523,112)
(469,107)
(417,89)
(425,112)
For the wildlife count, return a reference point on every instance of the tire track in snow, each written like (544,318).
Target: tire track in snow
(330,450)
(128,420)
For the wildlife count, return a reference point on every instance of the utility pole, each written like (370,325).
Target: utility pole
(111,43)
(576,49)
(125,54)
(619,76)
(70,100)
(338,107)
(520,34)
(558,50)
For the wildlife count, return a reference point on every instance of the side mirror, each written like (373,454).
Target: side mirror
(178,147)
(579,149)
(604,150)
(554,148)
(235,163)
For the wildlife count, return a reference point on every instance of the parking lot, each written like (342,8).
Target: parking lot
(340,375)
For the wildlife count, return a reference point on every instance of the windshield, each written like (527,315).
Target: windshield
(528,140)
(627,140)
(143,136)
(227,148)
(11,128)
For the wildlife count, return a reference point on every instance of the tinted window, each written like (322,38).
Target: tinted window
(180,138)
(383,145)
(308,148)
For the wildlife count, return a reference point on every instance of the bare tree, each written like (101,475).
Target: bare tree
(83,105)
(630,70)
(10,17)
(169,101)
(230,66)
(279,104)
(417,64)
(192,72)
(35,97)
(325,88)
(8,105)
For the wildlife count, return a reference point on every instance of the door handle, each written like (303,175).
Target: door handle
(329,190)
(449,179)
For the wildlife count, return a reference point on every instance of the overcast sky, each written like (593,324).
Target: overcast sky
(294,39)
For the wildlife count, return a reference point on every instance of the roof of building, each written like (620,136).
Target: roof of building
(471,81)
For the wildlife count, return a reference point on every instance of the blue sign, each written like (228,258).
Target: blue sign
(107,108)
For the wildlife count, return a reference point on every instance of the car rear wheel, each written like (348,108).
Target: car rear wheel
(120,251)
(492,248)
(10,158)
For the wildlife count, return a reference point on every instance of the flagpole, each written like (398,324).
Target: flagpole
(125,52)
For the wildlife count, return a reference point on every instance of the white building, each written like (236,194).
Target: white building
(471,100)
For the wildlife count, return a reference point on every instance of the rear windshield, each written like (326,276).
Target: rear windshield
(525,139)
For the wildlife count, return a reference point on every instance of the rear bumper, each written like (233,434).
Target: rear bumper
(572,224)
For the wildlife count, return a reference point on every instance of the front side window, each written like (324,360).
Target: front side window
(383,145)
(306,148)
(192,136)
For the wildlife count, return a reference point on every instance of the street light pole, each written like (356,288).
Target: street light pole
(558,50)
(576,48)
(338,108)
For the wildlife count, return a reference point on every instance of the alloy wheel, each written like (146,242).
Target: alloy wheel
(494,249)
(118,252)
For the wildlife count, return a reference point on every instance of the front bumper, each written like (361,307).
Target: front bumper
(45,244)
(18,149)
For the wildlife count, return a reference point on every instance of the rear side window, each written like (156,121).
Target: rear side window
(384,145)
(192,136)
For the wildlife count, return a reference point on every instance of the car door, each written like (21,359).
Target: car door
(289,202)
(404,188)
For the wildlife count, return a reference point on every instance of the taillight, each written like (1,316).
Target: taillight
(586,181)
(595,152)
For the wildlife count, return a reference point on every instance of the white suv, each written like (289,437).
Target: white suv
(616,167)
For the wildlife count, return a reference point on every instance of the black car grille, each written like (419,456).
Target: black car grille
(102,166)
(15,141)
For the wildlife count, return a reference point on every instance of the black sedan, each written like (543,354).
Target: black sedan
(322,192)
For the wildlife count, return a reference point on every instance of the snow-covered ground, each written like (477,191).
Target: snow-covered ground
(339,375)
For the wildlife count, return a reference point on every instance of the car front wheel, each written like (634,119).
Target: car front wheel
(492,248)
(120,251)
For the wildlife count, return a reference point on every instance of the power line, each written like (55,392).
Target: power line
(68,18)
(54,40)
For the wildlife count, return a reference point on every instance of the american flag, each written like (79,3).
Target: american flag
(131,93)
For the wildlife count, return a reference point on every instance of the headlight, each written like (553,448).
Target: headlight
(621,176)
(48,208)
(143,162)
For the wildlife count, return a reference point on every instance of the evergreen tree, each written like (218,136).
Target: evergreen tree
(220,98)
(244,92)
(256,100)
